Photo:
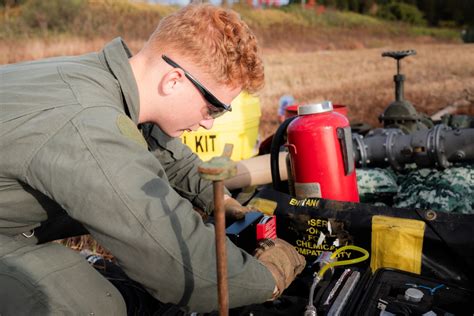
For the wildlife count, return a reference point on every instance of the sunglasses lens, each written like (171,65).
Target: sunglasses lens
(214,111)
(215,107)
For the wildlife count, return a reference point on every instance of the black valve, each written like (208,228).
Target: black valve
(401,113)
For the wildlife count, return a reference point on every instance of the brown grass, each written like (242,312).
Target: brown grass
(344,69)
(12,51)
(88,244)
(439,75)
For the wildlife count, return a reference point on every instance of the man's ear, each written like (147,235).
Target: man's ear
(172,81)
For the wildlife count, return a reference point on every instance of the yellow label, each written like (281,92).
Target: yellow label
(397,243)
(201,143)
(309,202)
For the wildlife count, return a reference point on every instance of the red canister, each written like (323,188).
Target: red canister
(320,146)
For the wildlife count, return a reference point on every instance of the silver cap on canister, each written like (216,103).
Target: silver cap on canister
(315,108)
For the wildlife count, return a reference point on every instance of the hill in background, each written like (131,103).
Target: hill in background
(310,28)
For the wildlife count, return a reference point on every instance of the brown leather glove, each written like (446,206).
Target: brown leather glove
(283,261)
(234,210)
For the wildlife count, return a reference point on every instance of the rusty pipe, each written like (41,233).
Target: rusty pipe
(217,170)
(221,250)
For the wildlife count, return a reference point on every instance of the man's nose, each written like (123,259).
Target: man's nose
(207,124)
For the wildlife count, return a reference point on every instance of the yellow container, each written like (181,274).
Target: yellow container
(239,127)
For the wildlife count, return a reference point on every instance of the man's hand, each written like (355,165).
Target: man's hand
(234,210)
(283,261)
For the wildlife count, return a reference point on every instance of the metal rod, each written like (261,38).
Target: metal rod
(221,250)
(217,170)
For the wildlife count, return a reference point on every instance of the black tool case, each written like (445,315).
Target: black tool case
(447,261)
(395,292)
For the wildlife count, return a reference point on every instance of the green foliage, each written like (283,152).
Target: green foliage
(121,18)
(342,4)
(268,18)
(467,34)
(441,33)
(433,11)
(10,3)
(54,15)
(332,18)
(107,18)
(308,16)
(353,5)
(396,11)
(351,19)
(135,20)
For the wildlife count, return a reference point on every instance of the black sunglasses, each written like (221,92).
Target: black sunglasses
(215,108)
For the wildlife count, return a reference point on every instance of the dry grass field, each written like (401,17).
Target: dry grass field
(441,74)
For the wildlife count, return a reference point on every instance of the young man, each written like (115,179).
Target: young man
(69,141)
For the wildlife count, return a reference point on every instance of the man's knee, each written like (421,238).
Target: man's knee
(53,279)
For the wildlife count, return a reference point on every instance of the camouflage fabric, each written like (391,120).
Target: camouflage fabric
(376,185)
(450,190)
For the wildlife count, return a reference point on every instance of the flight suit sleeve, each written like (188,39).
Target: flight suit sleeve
(104,177)
(181,167)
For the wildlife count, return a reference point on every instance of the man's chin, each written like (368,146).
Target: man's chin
(173,134)
(177,133)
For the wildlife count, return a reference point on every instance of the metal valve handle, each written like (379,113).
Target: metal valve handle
(399,54)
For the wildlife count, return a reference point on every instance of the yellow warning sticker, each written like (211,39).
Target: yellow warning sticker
(397,243)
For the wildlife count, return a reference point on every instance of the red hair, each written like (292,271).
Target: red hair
(216,40)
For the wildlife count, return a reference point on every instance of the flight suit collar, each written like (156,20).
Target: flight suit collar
(116,55)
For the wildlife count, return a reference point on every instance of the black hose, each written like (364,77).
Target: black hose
(277,142)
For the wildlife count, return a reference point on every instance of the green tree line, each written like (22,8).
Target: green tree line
(431,12)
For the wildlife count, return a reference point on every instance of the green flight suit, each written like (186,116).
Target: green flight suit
(67,142)
(181,167)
